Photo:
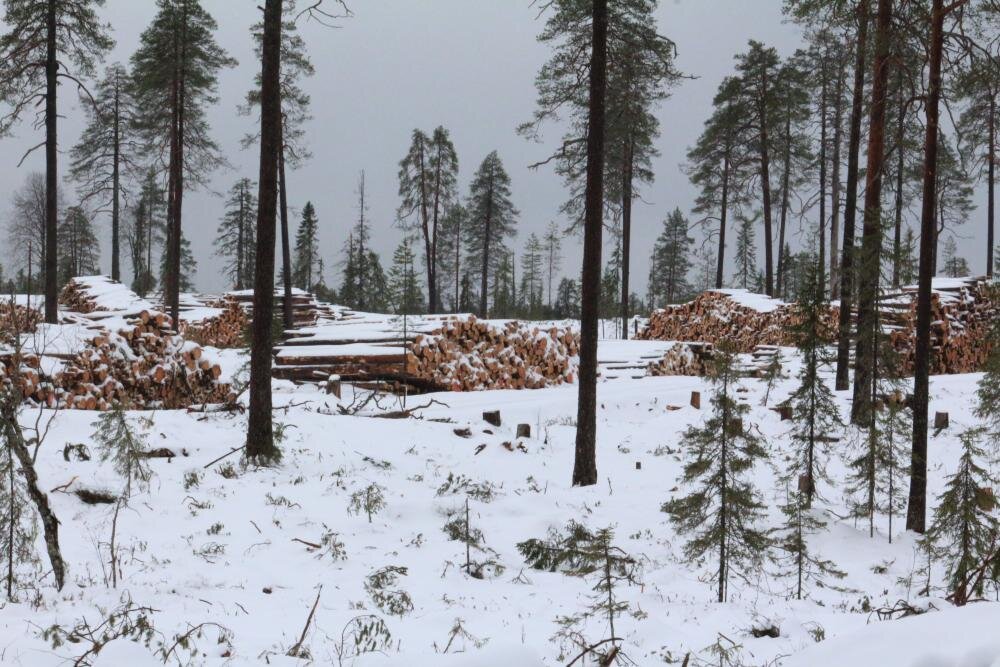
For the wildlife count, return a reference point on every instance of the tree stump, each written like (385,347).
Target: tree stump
(696,400)
(940,420)
(524,430)
(492,417)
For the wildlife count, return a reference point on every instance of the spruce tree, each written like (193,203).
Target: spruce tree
(144,232)
(721,514)
(567,304)
(963,531)
(404,288)
(908,258)
(552,244)
(954,266)
(189,267)
(450,266)
(46,42)
(746,254)
(670,262)
(492,218)
(814,407)
(235,240)
(805,563)
(306,271)
(174,82)
(107,151)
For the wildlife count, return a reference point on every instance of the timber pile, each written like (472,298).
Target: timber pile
(469,355)
(225,330)
(305,309)
(100,294)
(684,359)
(741,319)
(16,319)
(142,365)
(962,310)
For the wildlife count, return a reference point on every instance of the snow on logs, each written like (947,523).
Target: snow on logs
(470,354)
(225,330)
(961,312)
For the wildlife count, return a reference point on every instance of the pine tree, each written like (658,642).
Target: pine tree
(79,250)
(758,71)
(504,294)
(670,262)
(719,165)
(306,265)
(295,65)
(427,187)
(48,41)
(174,81)
(964,529)
(746,253)
(106,151)
(236,239)
(813,404)
(189,267)
(360,237)
(26,226)
(611,278)
(908,258)
(492,218)
(640,73)
(800,523)
(450,266)
(721,512)
(953,265)
(552,245)
(567,304)
(407,299)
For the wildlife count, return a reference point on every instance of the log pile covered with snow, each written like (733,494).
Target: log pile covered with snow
(961,311)
(684,359)
(470,354)
(225,329)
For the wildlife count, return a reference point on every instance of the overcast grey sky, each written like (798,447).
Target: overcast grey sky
(399,64)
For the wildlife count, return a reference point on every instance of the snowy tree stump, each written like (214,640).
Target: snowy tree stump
(696,400)
(940,420)
(492,417)
(524,430)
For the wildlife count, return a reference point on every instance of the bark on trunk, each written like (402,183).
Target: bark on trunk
(838,140)
(485,275)
(585,459)
(116,188)
(916,509)
(991,185)
(626,234)
(823,132)
(765,185)
(786,178)
(851,202)
(897,236)
(286,250)
(871,244)
(51,167)
(721,262)
(260,436)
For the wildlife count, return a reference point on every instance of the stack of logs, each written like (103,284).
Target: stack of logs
(684,359)
(142,365)
(305,309)
(225,330)
(469,355)
(16,319)
(714,317)
(961,314)
(76,297)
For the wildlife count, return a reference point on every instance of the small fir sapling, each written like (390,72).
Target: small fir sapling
(369,501)
(361,635)
(803,563)
(381,586)
(772,373)
(963,533)
(18,526)
(721,511)
(126,446)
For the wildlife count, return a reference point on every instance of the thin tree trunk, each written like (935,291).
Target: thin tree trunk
(260,434)
(897,237)
(425,223)
(286,251)
(851,202)
(484,277)
(871,244)
(838,140)
(721,262)
(434,297)
(51,166)
(765,185)
(585,459)
(626,233)
(240,248)
(823,133)
(991,185)
(916,509)
(786,178)
(116,188)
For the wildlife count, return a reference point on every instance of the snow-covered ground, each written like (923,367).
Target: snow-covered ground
(231,546)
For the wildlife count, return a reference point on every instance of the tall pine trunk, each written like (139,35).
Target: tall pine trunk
(286,251)
(585,459)
(484,277)
(51,166)
(838,140)
(765,185)
(433,299)
(991,184)
(260,446)
(916,509)
(871,243)
(627,172)
(897,236)
(851,202)
(786,178)
(240,238)
(721,261)
(823,147)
